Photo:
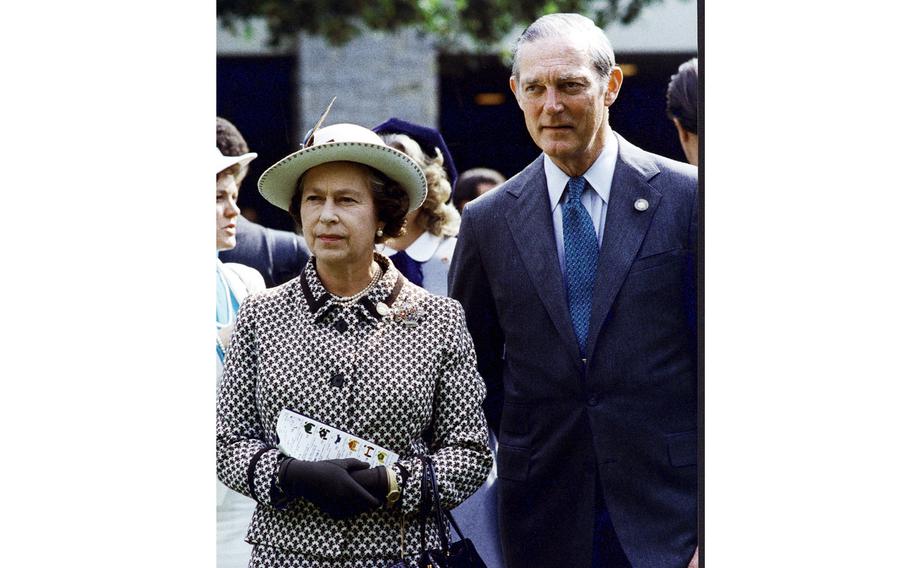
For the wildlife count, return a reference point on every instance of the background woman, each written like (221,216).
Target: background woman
(233,282)
(354,345)
(424,252)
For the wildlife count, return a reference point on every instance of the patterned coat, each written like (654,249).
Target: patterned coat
(406,380)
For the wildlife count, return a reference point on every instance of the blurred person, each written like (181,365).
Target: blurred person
(578,282)
(474,183)
(353,344)
(277,255)
(425,251)
(682,107)
(233,283)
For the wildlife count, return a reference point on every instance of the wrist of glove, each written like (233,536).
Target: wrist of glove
(375,480)
(329,485)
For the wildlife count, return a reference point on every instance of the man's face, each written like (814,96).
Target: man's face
(564,101)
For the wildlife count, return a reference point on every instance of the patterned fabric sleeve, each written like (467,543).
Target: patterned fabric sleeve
(459,445)
(246,463)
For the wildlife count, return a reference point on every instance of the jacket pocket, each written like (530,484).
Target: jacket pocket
(512,462)
(682,448)
(655,260)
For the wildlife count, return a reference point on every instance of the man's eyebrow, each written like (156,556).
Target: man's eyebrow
(576,78)
(559,79)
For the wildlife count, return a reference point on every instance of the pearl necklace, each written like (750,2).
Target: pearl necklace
(345,301)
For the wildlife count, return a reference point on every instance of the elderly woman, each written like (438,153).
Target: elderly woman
(354,345)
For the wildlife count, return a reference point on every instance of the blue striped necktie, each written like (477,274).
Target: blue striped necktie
(580,242)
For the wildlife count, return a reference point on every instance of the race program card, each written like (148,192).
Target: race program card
(305,438)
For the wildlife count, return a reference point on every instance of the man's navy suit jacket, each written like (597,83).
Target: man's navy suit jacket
(277,255)
(626,411)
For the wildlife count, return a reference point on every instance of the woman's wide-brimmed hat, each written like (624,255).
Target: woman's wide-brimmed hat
(224,162)
(342,143)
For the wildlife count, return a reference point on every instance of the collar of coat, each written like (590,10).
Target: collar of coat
(320,302)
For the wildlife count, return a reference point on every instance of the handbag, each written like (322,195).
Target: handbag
(453,554)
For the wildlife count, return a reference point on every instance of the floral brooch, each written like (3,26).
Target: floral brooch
(406,313)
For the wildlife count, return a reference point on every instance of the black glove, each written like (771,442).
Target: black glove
(374,480)
(328,485)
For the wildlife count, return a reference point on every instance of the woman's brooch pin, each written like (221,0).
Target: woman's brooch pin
(408,314)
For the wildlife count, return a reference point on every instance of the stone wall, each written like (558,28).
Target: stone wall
(374,77)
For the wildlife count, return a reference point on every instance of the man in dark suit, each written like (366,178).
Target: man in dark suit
(277,255)
(577,280)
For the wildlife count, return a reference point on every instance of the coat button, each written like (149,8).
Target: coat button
(340,325)
(337,380)
(594,400)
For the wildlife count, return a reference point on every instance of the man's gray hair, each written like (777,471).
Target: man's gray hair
(569,25)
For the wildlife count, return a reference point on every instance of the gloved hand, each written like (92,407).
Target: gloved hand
(328,485)
(375,480)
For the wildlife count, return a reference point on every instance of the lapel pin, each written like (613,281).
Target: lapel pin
(641,204)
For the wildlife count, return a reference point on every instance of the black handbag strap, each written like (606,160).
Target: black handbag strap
(454,524)
(438,505)
(430,506)
(426,503)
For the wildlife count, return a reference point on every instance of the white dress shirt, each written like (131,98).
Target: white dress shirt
(599,177)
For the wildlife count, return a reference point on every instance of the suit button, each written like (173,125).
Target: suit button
(594,400)
(337,380)
(340,325)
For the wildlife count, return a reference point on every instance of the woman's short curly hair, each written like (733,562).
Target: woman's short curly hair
(389,198)
(439,217)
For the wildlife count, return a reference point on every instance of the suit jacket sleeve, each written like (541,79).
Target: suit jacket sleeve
(690,295)
(468,283)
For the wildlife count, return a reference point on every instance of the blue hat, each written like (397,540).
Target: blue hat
(428,138)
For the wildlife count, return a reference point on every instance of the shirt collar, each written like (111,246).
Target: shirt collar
(424,247)
(319,301)
(420,250)
(599,175)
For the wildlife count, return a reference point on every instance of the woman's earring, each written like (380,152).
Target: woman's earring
(379,232)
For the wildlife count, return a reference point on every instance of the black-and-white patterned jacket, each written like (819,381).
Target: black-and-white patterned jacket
(406,380)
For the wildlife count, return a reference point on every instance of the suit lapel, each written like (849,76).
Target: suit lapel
(624,230)
(531,224)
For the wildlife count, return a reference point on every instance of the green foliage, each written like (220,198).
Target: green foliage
(485,22)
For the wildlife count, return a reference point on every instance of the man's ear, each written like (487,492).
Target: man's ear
(513,84)
(684,134)
(614,82)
